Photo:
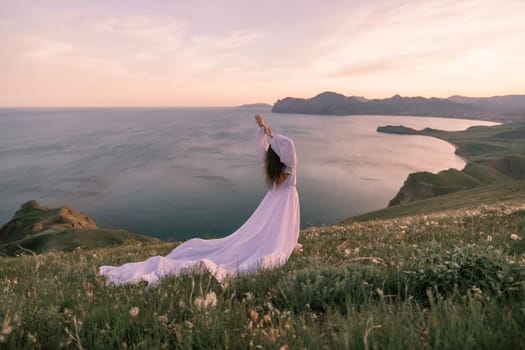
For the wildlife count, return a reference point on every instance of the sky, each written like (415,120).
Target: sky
(231,52)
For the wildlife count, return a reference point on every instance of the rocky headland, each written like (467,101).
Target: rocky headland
(36,228)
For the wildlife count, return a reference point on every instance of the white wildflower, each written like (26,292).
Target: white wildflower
(476,290)
(348,252)
(163,319)
(514,237)
(489,238)
(210,300)
(6,328)
(199,302)
(134,311)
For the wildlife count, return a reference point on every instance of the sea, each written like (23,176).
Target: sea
(178,173)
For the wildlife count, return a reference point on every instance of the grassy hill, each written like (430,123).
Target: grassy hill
(509,192)
(443,273)
(494,154)
(68,240)
(37,229)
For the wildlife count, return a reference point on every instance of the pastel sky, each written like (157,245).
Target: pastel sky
(230,52)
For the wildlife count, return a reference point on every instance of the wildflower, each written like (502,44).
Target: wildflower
(134,311)
(254,315)
(514,237)
(209,300)
(31,338)
(348,252)
(267,319)
(163,319)
(6,328)
(489,238)
(476,290)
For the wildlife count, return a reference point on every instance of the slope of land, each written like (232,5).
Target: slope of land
(39,229)
(447,279)
(494,154)
(497,108)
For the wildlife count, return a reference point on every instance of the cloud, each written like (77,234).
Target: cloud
(415,35)
(175,50)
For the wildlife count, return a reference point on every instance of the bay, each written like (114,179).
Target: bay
(177,173)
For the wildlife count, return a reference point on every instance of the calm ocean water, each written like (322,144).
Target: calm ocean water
(176,173)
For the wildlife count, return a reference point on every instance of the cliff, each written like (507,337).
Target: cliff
(39,229)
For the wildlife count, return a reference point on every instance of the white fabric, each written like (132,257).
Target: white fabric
(265,240)
(285,149)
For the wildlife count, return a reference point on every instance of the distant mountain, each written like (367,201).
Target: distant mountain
(509,104)
(37,229)
(500,108)
(255,105)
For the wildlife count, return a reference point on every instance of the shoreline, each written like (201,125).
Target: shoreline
(492,154)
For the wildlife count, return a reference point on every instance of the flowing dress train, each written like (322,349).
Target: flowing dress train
(265,240)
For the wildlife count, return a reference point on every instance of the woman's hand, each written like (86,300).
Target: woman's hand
(268,131)
(259,120)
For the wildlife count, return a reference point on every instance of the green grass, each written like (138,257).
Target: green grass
(71,239)
(508,192)
(484,174)
(444,280)
(451,178)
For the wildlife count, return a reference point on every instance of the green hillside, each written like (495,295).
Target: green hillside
(443,273)
(508,192)
(68,240)
(482,143)
(494,154)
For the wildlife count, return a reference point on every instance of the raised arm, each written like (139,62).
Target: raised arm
(261,145)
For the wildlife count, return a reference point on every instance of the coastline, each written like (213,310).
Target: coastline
(491,153)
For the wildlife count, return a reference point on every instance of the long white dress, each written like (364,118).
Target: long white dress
(266,240)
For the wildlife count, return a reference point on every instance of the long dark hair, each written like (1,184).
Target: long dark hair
(274,167)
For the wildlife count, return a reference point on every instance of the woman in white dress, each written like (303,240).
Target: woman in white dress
(266,240)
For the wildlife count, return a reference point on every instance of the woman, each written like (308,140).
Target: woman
(265,240)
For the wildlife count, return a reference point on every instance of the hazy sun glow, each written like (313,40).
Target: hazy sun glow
(219,53)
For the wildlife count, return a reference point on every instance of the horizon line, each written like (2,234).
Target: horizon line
(243,104)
